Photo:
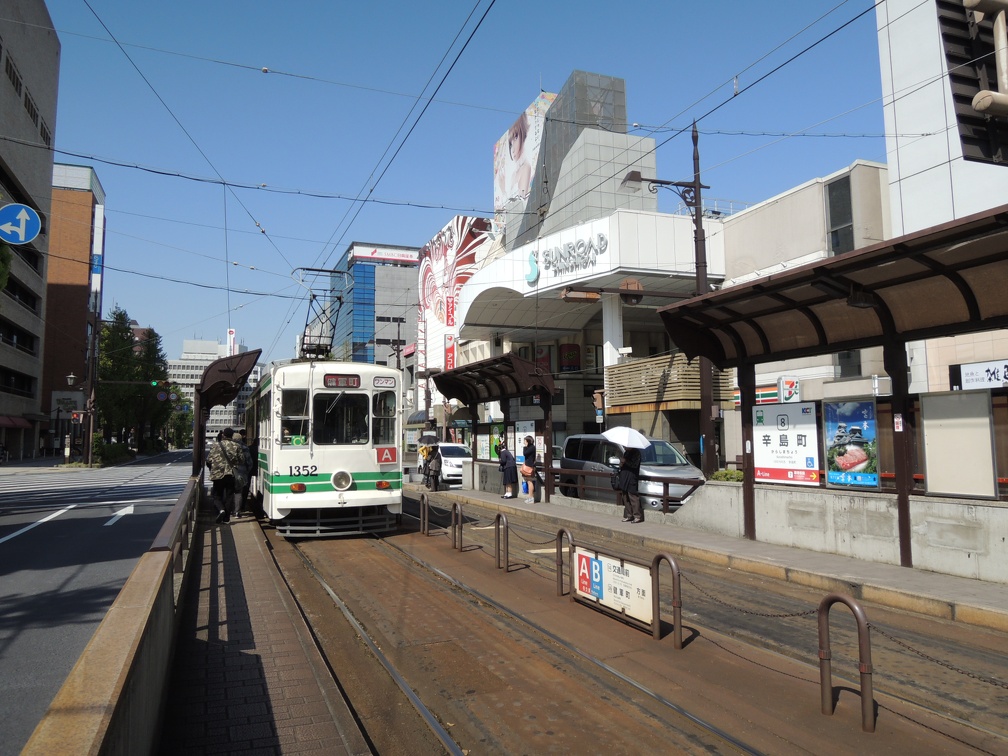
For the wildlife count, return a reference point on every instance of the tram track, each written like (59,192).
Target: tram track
(414,625)
(662,722)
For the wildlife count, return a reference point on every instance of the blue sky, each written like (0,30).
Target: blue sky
(180,93)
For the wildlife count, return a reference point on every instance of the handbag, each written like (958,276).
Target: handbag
(527,471)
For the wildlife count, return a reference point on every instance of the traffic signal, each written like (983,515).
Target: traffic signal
(75,417)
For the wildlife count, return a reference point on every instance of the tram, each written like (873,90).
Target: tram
(327,441)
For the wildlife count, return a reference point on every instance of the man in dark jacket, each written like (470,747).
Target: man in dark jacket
(629,471)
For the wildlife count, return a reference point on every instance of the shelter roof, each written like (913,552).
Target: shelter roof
(497,378)
(223,379)
(941,281)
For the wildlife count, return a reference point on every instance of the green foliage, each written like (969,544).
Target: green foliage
(6,256)
(109,454)
(732,476)
(132,373)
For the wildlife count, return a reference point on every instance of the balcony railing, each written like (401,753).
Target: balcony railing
(669,382)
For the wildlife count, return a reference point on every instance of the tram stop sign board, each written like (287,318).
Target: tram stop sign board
(19,224)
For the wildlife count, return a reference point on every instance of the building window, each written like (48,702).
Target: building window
(839,216)
(13,74)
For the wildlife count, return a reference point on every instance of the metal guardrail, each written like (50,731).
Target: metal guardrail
(605,490)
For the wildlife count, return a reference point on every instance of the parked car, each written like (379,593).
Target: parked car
(452,457)
(595,453)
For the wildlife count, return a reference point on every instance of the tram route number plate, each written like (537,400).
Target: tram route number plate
(612,582)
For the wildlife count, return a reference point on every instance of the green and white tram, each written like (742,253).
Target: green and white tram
(327,436)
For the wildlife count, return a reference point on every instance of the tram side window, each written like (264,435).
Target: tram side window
(340,418)
(294,416)
(384,411)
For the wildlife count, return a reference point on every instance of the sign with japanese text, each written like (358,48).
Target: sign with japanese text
(980,375)
(786,444)
(851,448)
(449,351)
(617,584)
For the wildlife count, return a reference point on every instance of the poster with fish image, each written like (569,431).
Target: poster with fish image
(851,443)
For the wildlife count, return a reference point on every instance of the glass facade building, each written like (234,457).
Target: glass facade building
(377,286)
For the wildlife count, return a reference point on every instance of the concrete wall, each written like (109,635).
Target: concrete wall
(949,536)
(111,701)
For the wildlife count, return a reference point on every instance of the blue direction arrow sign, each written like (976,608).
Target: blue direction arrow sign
(19,224)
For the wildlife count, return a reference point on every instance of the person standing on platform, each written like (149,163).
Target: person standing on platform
(509,470)
(629,472)
(221,460)
(434,467)
(528,470)
(243,472)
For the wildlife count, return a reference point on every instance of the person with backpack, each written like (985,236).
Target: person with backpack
(222,460)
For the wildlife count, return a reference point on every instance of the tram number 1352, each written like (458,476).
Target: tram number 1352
(299,471)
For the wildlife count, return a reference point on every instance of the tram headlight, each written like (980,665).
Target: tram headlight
(341,480)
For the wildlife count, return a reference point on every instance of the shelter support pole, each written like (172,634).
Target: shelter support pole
(895,360)
(546,400)
(472,443)
(747,395)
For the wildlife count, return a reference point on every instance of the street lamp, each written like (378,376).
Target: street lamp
(689,193)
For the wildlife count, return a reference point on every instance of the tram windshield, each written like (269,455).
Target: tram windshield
(340,418)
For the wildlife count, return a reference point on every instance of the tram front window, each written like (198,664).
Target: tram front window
(340,418)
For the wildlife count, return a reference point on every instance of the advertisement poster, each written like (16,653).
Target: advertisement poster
(786,444)
(851,448)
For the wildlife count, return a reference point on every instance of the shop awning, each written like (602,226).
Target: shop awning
(417,418)
(7,421)
(495,379)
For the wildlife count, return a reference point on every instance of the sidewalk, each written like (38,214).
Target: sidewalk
(247,675)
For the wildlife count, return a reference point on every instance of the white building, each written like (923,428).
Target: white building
(187,371)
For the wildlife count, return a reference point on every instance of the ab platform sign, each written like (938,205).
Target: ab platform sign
(19,224)
(619,585)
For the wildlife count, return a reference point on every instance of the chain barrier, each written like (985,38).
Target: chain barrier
(520,537)
(939,662)
(715,599)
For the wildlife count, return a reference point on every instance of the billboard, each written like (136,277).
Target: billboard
(446,262)
(516,155)
(851,448)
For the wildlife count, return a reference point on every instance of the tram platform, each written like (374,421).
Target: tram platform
(247,675)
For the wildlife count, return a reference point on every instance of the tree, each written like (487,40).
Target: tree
(127,367)
(115,367)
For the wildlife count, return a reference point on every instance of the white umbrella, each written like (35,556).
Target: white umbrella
(627,437)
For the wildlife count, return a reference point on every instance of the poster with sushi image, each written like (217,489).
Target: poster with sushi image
(851,443)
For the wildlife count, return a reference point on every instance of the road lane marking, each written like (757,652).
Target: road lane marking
(564,549)
(36,524)
(122,512)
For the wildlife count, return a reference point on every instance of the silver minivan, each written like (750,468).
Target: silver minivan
(594,452)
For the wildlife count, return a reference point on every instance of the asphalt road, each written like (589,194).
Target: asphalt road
(69,538)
